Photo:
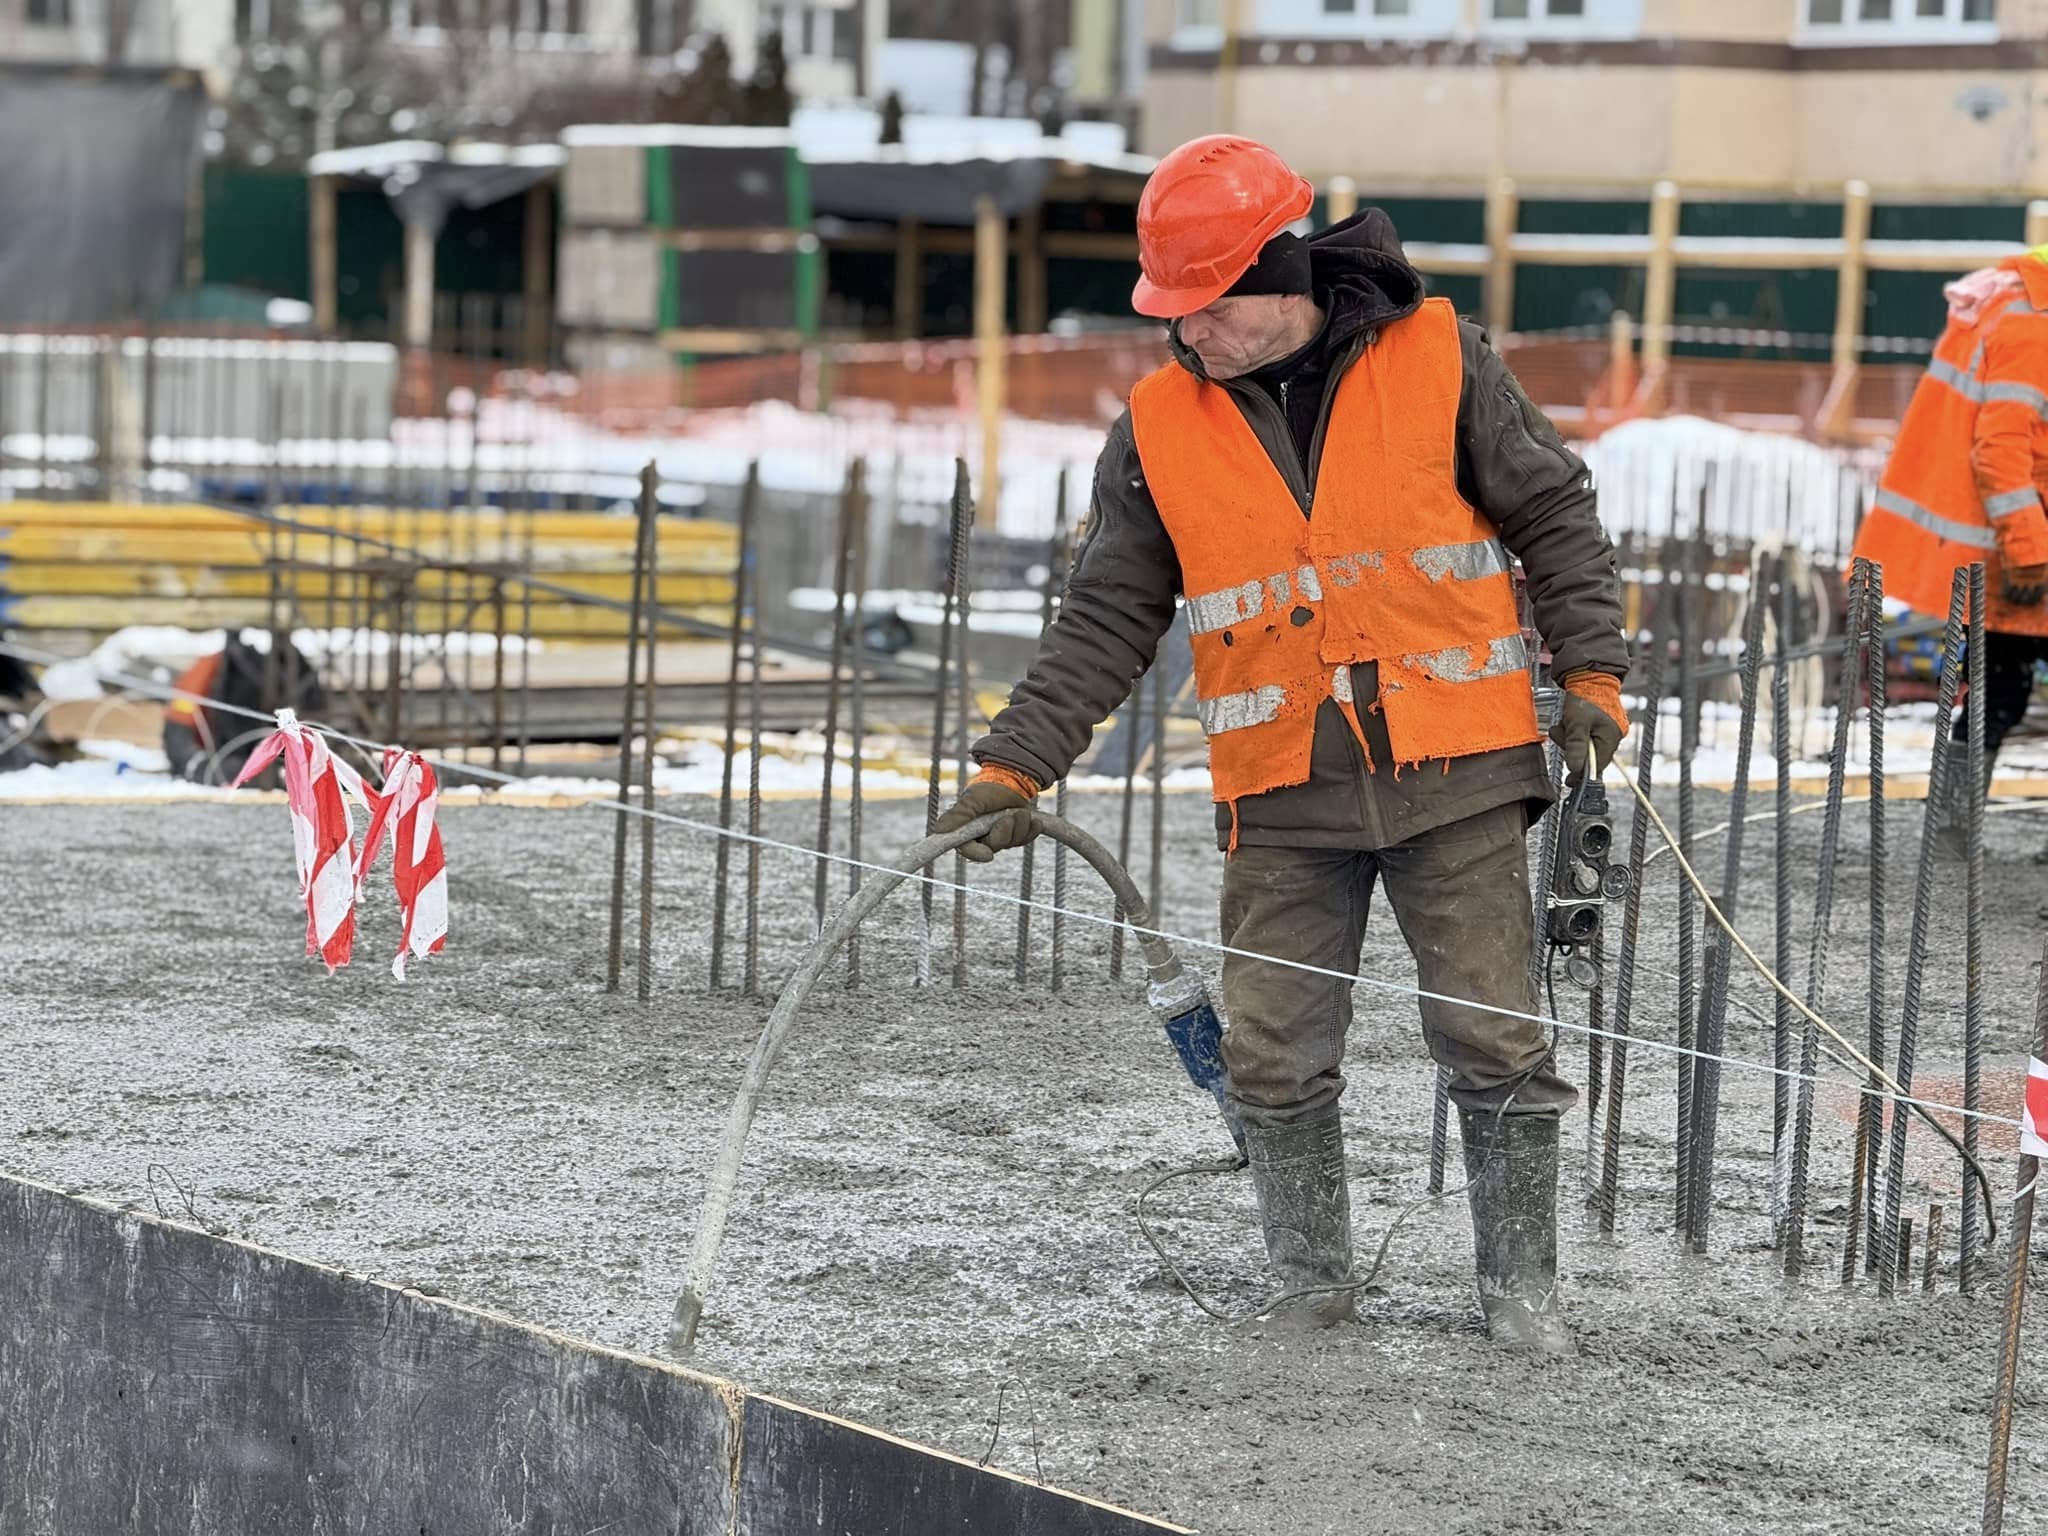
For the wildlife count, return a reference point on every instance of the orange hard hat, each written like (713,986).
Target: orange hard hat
(1206,210)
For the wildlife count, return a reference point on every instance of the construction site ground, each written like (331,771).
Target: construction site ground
(934,1231)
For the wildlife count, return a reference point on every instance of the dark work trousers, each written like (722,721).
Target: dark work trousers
(1461,896)
(2008,685)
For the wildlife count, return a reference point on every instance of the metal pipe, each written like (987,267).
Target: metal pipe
(627,709)
(1631,930)
(1976,790)
(1846,690)
(1923,914)
(2019,1248)
(1711,1034)
(840,567)
(722,858)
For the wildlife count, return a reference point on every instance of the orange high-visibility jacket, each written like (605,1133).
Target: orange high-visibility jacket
(1395,567)
(1965,478)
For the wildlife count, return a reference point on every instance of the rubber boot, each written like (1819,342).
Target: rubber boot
(1511,1172)
(1305,1206)
(1948,819)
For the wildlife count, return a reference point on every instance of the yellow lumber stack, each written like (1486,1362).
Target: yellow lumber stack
(100,566)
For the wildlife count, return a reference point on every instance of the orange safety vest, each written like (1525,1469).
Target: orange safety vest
(1395,567)
(1966,474)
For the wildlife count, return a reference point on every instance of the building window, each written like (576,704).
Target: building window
(1539,10)
(1365,19)
(1607,19)
(49,13)
(1851,21)
(1198,23)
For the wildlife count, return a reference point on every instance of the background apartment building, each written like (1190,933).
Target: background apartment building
(1913,96)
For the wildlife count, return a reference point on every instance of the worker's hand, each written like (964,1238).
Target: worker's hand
(1590,719)
(2024,585)
(1003,792)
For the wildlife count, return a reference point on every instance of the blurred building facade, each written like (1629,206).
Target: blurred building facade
(1934,97)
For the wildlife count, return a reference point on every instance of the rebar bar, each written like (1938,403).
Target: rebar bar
(840,568)
(1711,1033)
(1596,1062)
(529,543)
(1048,606)
(1867,1117)
(628,709)
(964,673)
(650,496)
(1847,687)
(1631,929)
(1977,790)
(1688,959)
(722,855)
(1899,1255)
(1058,937)
(1923,914)
(1439,1128)
(2019,1249)
(857,722)
(1852,1232)
(1930,1266)
(1155,888)
(1133,724)
(751,975)
(941,698)
(1781,906)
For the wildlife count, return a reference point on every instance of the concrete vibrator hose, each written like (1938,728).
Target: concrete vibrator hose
(1192,1026)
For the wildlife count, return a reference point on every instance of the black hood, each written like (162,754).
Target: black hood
(1362,282)
(1361,276)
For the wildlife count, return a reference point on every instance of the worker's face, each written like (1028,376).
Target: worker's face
(1233,336)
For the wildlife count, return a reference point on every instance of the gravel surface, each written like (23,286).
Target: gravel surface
(934,1232)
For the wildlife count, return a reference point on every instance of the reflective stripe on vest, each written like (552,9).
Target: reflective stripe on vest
(1395,567)
(1941,527)
(2005,503)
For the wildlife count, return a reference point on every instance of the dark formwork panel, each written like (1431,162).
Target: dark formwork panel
(804,1473)
(155,1380)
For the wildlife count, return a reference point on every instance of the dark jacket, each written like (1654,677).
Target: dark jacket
(1511,465)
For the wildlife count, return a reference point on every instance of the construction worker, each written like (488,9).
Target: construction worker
(1963,485)
(1328,468)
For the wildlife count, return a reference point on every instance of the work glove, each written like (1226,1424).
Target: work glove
(2024,585)
(1590,718)
(996,790)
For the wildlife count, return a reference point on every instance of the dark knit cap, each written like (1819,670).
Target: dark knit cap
(1282,266)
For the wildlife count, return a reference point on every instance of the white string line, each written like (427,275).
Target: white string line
(2002,808)
(1210,945)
